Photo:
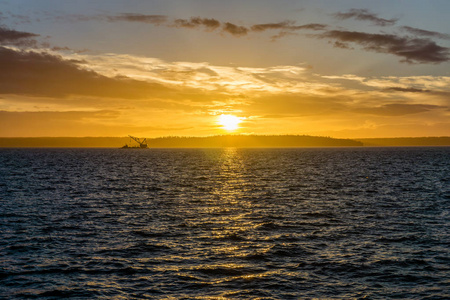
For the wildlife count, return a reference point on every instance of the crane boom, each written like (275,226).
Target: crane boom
(142,144)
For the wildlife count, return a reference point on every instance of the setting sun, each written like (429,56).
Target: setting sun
(229,122)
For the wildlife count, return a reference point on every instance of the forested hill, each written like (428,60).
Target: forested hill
(407,141)
(252,141)
(269,141)
(249,141)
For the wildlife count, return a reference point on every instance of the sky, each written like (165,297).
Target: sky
(338,68)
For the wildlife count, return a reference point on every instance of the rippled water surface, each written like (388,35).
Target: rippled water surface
(232,223)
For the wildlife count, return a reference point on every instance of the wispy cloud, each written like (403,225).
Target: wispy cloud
(234,29)
(271,26)
(15,18)
(226,79)
(412,50)
(288,26)
(365,15)
(209,24)
(195,22)
(133,87)
(443,94)
(419,48)
(423,83)
(16,38)
(111,89)
(427,33)
(398,109)
(407,90)
(131,17)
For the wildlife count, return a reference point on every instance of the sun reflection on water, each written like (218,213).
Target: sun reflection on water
(233,223)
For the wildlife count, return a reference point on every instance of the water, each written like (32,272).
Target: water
(233,223)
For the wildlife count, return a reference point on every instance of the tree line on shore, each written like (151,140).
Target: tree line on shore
(243,141)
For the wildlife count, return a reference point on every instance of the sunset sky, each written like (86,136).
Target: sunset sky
(178,67)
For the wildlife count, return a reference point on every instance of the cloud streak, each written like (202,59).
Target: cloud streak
(365,15)
(443,94)
(195,22)
(407,90)
(234,29)
(288,26)
(210,24)
(398,109)
(140,18)
(411,50)
(278,93)
(417,49)
(16,38)
(427,33)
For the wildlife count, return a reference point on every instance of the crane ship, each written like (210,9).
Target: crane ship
(142,143)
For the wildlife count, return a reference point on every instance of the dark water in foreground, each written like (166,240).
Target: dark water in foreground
(232,223)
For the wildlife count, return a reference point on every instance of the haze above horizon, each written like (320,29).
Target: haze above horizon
(346,69)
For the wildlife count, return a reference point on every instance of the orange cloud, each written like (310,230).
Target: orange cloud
(44,74)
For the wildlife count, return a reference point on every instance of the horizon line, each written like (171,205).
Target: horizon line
(229,135)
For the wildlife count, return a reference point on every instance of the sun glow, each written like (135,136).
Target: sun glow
(229,122)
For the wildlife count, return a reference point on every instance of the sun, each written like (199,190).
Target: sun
(229,122)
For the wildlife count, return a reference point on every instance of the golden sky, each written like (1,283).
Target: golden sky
(163,68)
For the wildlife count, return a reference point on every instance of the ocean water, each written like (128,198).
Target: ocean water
(225,223)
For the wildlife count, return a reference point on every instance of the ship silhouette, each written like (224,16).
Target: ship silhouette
(142,143)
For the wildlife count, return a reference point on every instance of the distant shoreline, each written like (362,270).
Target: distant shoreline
(238,141)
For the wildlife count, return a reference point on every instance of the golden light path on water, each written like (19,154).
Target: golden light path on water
(230,218)
(234,223)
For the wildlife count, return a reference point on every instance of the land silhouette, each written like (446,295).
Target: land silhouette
(407,141)
(243,141)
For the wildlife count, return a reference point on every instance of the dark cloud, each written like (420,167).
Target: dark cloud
(312,26)
(27,39)
(235,29)
(81,18)
(412,50)
(286,27)
(65,48)
(397,109)
(407,90)
(341,45)
(427,33)
(443,94)
(42,74)
(194,22)
(17,38)
(270,26)
(365,15)
(197,22)
(129,17)
(208,23)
